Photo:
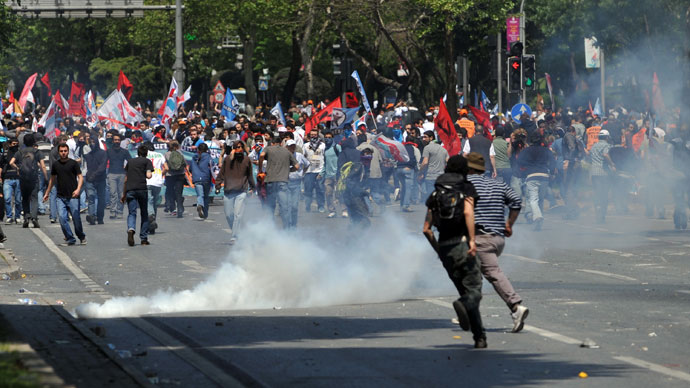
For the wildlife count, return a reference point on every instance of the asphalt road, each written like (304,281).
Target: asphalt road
(327,305)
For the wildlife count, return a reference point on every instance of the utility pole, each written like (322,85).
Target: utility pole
(465,87)
(524,44)
(603,82)
(499,64)
(179,67)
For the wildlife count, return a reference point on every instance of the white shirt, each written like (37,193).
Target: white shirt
(303,166)
(315,157)
(158,160)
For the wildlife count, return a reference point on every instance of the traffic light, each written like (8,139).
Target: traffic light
(516,49)
(337,55)
(514,74)
(529,71)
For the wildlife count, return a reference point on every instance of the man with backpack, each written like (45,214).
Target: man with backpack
(491,228)
(175,178)
(28,161)
(451,211)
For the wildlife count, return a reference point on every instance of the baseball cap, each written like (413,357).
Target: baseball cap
(290,142)
(475,160)
(604,133)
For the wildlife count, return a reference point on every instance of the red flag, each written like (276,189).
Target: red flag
(483,119)
(657,100)
(446,131)
(76,100)
(27,89)
(61,103)
(351,100)
(322,115)
(46,81)
(124,85)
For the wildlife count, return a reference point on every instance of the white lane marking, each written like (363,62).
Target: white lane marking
(683,291)
(612,252)
(608,274)
(654,367)
(527,259)
(552,335)
(576,303)
(195,266)
(67,262)
(530,328)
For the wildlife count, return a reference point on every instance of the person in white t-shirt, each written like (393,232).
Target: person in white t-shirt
(314,150)
(155,183)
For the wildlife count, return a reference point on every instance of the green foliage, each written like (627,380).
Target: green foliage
(104,76)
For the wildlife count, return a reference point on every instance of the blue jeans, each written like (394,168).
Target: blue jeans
(406,178)
(312,182)
(10,187)
(536,189)
(233,204)
(41,187)
(294,186)
(428,188)
(96,195)
(138,199)
(278,192)
(202,195)
(53,203)
(154,199)
(71,205)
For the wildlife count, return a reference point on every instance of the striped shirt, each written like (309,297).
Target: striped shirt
(489,209)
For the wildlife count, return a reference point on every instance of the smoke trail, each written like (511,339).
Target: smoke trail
(298,269)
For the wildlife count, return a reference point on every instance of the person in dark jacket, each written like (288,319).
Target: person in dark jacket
(348,153)
(96,162)
(406,173)
(117,157)
(536,162)
(237,177)
(201,177)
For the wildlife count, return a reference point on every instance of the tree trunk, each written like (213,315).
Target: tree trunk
(248,45)
(685,98)
(295,65)
(451,73)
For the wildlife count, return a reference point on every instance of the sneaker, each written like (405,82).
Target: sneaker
(130,238)
(480,343)
(463,318)
(145,242)
(396,194)
(153,225)
(113,216)
(26,223)
(9,221)
(3,238)
(322,210)
(519,317)
(90,220)
(35,222)
(331,215)
(344,214)
(200,210)
(68,244)
(233,241)
(407,210)
(82,241)
(53,220)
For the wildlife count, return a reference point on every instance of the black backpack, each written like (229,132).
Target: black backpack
(447,204)
(28,166)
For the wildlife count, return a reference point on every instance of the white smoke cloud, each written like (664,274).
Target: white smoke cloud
(302,269)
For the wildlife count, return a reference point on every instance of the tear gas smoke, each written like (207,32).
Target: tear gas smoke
(301,269)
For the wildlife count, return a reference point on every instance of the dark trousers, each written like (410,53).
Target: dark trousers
(138,199)
(465,273)
(29,191)
(96,198)
(175,184)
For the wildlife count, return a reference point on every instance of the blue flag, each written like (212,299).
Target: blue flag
(476,99)
(230,106)
(277,111)
(342,116)
(365,101)
(597,108)
(485,101)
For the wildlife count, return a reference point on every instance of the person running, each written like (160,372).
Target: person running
(491,228)
(236,176)
(279,164)
(155,184)
(10,183)
(451,211)
(66,176)
(202,177)
(135,193)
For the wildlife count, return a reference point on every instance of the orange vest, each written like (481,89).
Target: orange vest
(592,134)
(468,125)
(638,138)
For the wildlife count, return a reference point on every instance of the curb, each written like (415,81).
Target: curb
(9,269)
